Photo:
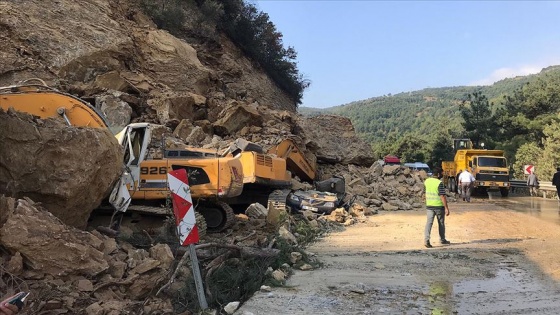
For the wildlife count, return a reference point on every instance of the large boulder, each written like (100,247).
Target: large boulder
(24,228)
(171,61)
(70,170)
(235,117)
(178,105)
(335,141)
(118,112)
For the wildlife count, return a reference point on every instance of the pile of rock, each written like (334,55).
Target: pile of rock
(382,187)
(71,270)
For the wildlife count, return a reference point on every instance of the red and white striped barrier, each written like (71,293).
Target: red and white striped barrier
(182,207)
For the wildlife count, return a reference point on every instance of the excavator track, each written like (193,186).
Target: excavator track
(200,221)
(166,211)
(200,224)
(218,216)
(277,199)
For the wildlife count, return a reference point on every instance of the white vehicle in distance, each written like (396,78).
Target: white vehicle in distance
(417,166)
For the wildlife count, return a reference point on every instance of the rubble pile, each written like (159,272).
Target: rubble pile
(71,271)
(203,94)
(382,187)
(74,271)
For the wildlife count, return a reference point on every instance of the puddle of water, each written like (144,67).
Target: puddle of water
(440,298)
(545,209)
(510,291)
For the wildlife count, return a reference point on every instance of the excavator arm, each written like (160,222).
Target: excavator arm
(45,102)
(296,161)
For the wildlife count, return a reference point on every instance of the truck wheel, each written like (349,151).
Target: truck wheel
(504,192)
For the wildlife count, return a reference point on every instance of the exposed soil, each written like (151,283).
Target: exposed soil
(500,262)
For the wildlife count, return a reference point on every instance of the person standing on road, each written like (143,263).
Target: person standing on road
(533,183)
(466,180)
(556,181)
(436,205)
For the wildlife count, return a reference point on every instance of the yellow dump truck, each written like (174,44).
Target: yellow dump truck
(489,167)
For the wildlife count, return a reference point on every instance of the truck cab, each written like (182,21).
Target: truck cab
(490,172)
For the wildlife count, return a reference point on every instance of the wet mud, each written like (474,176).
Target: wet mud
(502,260)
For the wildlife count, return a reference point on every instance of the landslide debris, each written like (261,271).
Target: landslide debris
(202,93)
(68,169)
(381,187)
(71,271)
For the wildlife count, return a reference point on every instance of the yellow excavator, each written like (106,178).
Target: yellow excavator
(245,173)
(267,174)
(210,179)
(145,176)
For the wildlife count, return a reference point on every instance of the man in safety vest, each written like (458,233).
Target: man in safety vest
(436,205)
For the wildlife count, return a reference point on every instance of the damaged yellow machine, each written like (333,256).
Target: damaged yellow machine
(245,173)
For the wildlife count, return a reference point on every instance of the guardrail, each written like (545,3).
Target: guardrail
(546,188)
(518,183)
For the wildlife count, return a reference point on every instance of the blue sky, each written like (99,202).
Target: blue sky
(354,50)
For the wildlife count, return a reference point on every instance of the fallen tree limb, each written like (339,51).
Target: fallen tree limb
(246,237)
(174,275)
(243,250)
(212,266)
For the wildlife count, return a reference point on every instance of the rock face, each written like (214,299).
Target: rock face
(68,169)
(336,142)
(93,46)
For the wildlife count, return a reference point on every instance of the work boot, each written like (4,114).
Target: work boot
(428,245)
(445,242)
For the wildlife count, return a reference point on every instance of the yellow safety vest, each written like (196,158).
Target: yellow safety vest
(432,193)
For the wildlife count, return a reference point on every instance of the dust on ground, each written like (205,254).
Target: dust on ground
(499,262)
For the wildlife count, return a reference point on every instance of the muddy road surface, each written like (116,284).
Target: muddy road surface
(503,259)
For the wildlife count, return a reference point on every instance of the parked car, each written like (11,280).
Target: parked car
(418,166)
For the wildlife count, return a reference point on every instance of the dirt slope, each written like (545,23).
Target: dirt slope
(96,45)
(500,262)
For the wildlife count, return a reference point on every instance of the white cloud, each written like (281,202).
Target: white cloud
(503,73)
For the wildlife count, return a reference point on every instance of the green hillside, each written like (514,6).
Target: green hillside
(410,123)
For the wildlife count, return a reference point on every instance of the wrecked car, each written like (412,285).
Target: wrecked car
(327,196)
